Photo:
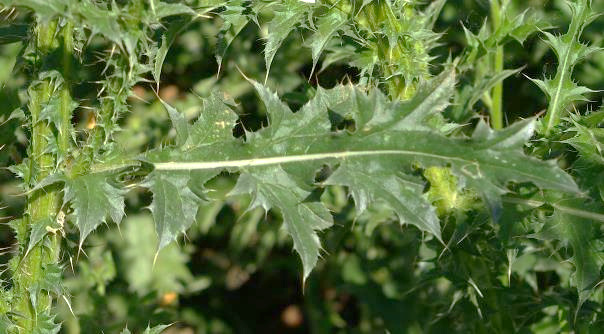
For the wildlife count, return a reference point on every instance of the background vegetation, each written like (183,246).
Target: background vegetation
(536,269)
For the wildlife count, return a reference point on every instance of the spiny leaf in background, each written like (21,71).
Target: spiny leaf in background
(150,330)
(288,14)
(517,28)
(589,136)
(578,234)
(326,27)
(278,163)
(562,91)
(51,282)
(484,56)
(235,16)
(392,37)
(136,250)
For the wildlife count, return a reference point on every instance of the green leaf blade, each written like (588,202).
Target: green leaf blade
(174,205)
(93,198)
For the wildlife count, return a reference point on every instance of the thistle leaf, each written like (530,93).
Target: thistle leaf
(155,329)
(578,234)
(371,181)
(235,19)
(215,123)
(278,163)
(288,15)
(162,9)
(327,26)
(45,324)
(588,138)
(93,198)
(274,188)
(174,205)
(162,52)
(39,229)
(562,91)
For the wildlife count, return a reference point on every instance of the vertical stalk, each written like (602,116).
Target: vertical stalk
(29,267)
(497,93)
(65,107)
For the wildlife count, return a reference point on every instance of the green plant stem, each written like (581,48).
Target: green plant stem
(497,93)
(65,111)
(29,302)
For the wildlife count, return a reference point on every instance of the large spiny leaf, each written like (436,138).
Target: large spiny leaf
(278,163)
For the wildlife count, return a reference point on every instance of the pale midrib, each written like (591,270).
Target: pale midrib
(555,107)
(267,161)
(254,162)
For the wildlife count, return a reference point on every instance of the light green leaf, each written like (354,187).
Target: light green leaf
(485,85)
(179,122)
(50,281)
(156,329)
(162,9)
(45,10)
(589,141)
(45,324)
(101,21)
(159,59)
(234,22)
(39,229)
(215,123)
